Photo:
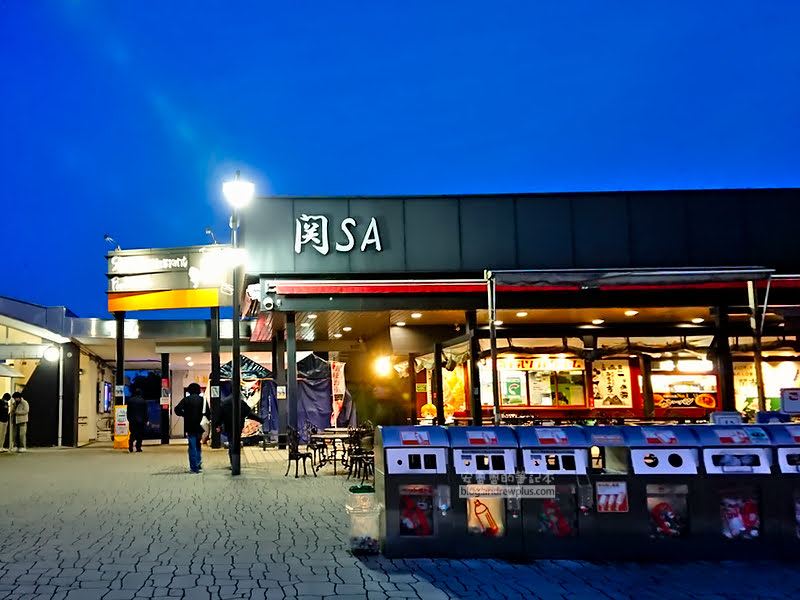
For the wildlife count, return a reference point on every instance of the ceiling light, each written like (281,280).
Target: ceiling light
(190,364)
(598,321)
(305,324)
(697,320)
(522,313)
(347,329)
(255,358)
(498,322)
(401,323)
(312,316)
(188,358)
(416,315)
(631,313)
(632,356)
(337,335)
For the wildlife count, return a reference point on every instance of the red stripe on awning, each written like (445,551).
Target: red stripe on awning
(340,287)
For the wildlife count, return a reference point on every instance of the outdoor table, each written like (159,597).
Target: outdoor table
(333,438)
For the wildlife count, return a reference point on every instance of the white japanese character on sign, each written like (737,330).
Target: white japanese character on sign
(311,229)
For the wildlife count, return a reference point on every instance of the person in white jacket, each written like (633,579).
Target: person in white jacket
(19,413)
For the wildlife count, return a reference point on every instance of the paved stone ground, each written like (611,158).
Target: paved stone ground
(96,523)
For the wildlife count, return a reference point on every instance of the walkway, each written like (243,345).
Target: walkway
(96,523)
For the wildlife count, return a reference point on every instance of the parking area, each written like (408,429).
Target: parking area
(96,523)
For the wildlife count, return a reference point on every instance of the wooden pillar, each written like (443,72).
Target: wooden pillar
(164,411)
(119,378)
(214,382)
(473,372)
(412,387)
(438,388)
(723,363)
(291,354)
(646,368)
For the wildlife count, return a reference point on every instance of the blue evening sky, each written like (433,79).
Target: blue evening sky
(123,117)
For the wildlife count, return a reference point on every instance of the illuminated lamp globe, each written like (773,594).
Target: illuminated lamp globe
(51,354)
(238,192)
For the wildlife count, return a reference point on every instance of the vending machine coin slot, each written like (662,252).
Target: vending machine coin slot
(429,461)
(498,462)
(414,461)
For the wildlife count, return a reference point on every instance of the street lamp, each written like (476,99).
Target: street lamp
(238,193)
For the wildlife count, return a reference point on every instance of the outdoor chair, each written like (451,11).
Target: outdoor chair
(318,448)
(361,460)
(296,455)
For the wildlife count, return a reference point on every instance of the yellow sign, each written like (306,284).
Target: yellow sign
(129,301)
(121,431)
(535,364)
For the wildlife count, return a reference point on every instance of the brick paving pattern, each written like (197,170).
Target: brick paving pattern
(96,523)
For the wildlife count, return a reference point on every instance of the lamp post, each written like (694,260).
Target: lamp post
(238,193)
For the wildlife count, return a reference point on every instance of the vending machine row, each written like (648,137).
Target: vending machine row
(645,493)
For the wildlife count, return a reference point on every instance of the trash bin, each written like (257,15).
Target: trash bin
(664,491)
(785,488)
(554,459)
(738,516)
(365,513)
(486,522)
(412,484)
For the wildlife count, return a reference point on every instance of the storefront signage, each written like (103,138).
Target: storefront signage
(659,436)
(312,231)
(790,400)
(190,268)
(482,438)
(535,364)
(415,438)
(612,496)
(685,400)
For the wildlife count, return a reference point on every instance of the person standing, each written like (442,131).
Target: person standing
(137,419)
(225,423)
(193,408)
(19,431)
(4,414)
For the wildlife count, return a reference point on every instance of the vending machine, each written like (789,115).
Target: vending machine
(413,488)
(555,462)
(737,515)
(487,517)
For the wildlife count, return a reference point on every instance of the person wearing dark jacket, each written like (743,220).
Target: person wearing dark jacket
(193,408)
(137,419)
(224,422)
(4,405)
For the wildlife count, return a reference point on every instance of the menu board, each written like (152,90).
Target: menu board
(685,391)
(611,384)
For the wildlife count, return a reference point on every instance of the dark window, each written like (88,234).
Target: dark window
(430,461)
(414,461)
(568,462)
(498,463)
(482,462)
